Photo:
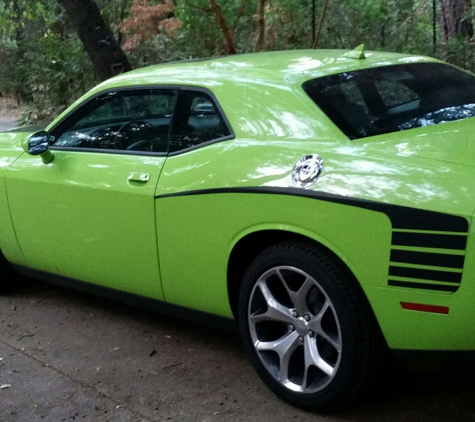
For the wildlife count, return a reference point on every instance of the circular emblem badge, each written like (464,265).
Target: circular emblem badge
(307,170)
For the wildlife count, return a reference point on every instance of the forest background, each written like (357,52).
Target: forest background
(52,51)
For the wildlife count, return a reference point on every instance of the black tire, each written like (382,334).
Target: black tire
(307,327)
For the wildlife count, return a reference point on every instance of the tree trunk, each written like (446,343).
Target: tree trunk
(452,19)
(104,51)
(215,8)
(261,26)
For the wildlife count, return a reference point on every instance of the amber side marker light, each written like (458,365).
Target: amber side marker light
(425,308)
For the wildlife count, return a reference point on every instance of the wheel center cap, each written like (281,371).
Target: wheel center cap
(301,326)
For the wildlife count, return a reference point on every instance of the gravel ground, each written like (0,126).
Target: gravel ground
(66,356)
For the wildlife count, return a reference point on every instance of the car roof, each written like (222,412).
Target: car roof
(277,68)
(293,66)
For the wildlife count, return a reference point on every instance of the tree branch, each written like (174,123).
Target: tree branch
(241,10)
(378,35)
(228,38)
(320,25)
(197,7)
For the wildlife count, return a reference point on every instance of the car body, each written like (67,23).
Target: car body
(323,199)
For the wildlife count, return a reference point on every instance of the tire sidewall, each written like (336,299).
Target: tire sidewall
(340,386)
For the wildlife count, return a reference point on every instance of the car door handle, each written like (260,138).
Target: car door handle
(139,177)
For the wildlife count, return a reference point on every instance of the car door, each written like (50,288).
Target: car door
(89,215)
(193,259)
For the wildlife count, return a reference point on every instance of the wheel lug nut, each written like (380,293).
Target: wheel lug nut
(291,327)
(295,314)
(311,333)
(300,339)
(306,317)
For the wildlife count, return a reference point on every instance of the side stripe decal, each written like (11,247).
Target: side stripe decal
(427,247)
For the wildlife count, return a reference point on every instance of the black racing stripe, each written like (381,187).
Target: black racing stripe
(415,219)
(423,274)
(425,258)
(424,286)
(426,240)
(401,217)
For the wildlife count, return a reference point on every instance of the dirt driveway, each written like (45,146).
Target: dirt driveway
(7,124)
(66,356)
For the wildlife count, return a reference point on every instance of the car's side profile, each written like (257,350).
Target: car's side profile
(322,199)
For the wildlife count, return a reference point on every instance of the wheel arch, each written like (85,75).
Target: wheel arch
(251,245)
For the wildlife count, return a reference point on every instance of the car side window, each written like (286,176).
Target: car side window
(130,120)
(197,120)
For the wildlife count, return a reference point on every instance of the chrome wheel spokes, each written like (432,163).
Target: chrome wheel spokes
(294,329)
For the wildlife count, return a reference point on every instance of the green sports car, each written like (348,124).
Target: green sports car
(321,199)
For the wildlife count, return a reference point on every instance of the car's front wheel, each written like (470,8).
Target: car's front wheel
(306,326)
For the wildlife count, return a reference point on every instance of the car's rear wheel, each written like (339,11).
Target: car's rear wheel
(306,326)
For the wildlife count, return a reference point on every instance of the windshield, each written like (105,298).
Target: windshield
(389,99)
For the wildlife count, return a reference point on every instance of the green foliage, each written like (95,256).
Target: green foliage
(44,63)
(43,66)
(282,32)
(287,26)
(48,76)
(460,52)
(200,35)
(158,49)
(396,25)
(16,15)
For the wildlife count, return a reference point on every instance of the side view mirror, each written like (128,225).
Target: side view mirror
(38,144)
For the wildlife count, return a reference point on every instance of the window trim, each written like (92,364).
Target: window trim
(103,93)
(179,89)
(219,110)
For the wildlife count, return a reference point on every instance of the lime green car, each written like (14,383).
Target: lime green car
(321,199)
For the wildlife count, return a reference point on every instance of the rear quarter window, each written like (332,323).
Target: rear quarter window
(393,98)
